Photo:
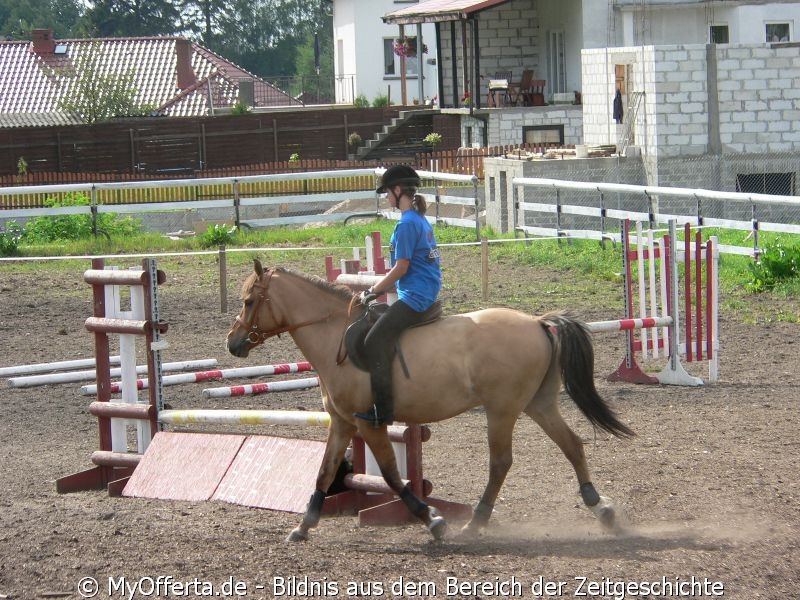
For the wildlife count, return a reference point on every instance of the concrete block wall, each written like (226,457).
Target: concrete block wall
(759,99)
(507,35)
(505,126)
(680,77)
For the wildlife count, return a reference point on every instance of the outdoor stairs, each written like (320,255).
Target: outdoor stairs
(402,138)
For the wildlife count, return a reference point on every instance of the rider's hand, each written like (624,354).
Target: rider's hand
(367,296)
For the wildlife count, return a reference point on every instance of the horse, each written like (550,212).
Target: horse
(502,359)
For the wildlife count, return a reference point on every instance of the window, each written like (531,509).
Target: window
(777,184)
(543,134)
(391,62)
(777,32)
(718,34)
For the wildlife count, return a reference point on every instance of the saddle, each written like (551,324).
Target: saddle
(357,331)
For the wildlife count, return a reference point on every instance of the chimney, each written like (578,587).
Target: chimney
(43,42)
(185,74)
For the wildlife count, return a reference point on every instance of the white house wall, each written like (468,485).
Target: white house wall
(359,30)
(688,23)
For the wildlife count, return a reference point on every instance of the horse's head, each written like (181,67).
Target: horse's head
(255,322)
(278,300)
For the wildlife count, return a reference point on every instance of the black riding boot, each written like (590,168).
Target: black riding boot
(382,412)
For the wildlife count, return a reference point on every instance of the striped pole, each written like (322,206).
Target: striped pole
(200,376)
(254,389)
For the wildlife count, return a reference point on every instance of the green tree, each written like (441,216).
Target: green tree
(129,18)
(97,95)
(19,17)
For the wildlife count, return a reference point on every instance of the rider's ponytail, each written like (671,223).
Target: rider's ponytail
(419,204)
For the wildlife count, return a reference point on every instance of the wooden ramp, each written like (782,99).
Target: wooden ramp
(250,470)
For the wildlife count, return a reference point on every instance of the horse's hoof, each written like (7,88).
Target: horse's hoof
(437,525)
(297,535)
(470,531)
(606,513)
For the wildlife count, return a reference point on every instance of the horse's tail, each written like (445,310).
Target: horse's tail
(576,361)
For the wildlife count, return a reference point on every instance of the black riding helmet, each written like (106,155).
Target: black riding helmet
(398,175)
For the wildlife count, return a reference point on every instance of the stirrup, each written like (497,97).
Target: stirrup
(374,419)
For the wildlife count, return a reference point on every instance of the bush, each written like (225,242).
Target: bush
(354,140)
(381,101)
(432,139)
(9,239)
(775,264)
(361,101)
(43,230)
(217,235)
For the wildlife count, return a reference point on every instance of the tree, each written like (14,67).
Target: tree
(19,17)
(129,18)
(96,95)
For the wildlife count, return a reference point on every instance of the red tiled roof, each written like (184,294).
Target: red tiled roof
(32,83)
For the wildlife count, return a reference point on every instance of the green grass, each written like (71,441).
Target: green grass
(578,263)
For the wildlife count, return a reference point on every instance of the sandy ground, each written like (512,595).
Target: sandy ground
(709,485)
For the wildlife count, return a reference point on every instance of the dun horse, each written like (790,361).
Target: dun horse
(504,360)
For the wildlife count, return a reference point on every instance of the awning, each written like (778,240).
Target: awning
(433,11)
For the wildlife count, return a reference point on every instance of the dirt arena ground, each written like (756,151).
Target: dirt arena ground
(709,485)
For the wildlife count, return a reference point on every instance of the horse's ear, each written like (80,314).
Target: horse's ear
(258,267)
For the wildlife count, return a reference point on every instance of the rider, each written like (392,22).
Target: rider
(415,274)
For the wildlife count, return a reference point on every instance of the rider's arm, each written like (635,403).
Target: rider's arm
(388,282)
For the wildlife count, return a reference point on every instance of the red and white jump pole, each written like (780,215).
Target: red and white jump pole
(255,389)
(213,375)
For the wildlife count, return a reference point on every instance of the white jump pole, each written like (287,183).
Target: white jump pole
(244,417)
(255,389)
(61,365)
(75,376)
(217,374)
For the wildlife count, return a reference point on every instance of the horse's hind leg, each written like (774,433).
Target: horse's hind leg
(381,447)
(339,435)
(500,430)
(544,410)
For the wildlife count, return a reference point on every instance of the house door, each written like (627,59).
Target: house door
(556,63)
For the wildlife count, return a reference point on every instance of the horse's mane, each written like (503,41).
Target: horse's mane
(340,291)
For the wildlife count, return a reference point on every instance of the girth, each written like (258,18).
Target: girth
(357,332)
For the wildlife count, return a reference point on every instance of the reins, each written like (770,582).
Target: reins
(255,335)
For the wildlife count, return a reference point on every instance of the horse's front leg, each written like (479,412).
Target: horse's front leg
(500,429)
(339,435)
(381,447)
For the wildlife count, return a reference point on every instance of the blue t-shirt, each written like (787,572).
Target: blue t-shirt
(413,240)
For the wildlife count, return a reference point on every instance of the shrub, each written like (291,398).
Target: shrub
(240,108)
(9,239)
(361,101)
(217,235)
(775,264)
(381,101)
(295,157)
(432,139)
(354,140)
(42,230)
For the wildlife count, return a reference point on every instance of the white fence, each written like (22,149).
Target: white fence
(593,210)
(288,209)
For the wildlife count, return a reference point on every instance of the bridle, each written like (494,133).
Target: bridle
(254,333)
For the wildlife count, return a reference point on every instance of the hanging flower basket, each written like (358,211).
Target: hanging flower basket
(407,46)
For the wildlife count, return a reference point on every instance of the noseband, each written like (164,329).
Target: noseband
(254,333)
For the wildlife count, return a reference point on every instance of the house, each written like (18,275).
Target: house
(364,54)
(173,75)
